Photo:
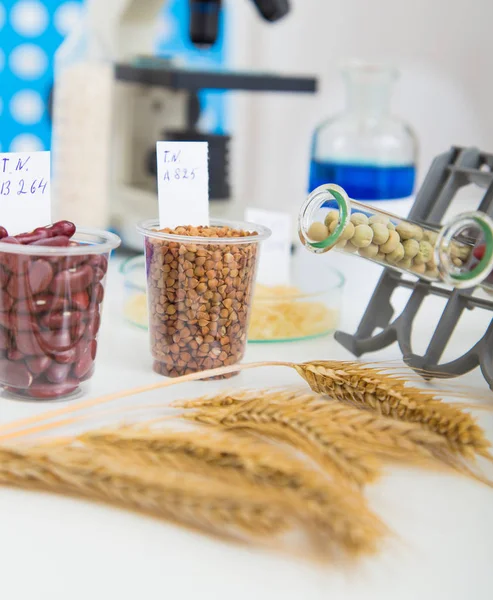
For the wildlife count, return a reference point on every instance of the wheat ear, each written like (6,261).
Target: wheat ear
(389,396)
(386,437)
(337,455)
(236,459)
(220,509)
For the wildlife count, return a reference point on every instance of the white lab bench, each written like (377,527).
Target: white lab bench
(53,547)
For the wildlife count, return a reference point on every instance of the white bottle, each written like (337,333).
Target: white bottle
(86,144)
(82,120)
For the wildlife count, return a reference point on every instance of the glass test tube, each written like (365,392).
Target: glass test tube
(459,254)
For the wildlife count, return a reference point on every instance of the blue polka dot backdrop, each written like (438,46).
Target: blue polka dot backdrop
(30,33)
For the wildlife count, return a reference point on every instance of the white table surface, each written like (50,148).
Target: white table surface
(54,548)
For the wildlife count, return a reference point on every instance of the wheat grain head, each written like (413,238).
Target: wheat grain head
(337,455)
(383,394)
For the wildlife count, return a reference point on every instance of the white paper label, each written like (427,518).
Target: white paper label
(25,198)
(275,253)
(183,183)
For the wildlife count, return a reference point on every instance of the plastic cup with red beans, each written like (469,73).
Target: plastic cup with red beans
(51,293)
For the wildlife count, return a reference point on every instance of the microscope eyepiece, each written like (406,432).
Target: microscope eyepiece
(204,17)
(204,21)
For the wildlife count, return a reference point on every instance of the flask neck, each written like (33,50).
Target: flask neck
(369,89)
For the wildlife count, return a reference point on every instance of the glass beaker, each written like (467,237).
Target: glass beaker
(199,293)
(329,220)
(366,150)
(51,300)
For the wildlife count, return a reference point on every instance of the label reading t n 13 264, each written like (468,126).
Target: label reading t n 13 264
(183,183)
(25,199)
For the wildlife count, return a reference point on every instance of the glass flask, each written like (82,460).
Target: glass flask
(459,254)
(365,149)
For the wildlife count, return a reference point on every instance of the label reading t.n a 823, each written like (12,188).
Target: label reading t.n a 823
(25,200)
(183,183)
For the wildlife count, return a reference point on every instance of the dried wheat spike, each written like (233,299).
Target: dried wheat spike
(386,437)
(383,394)
(219,509)
(239,459)
(336,454)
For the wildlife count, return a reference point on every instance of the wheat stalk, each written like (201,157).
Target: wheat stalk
(237,459)
(349,382)
(337,455)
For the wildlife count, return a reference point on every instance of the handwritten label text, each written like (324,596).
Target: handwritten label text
(25,201)
(183,183)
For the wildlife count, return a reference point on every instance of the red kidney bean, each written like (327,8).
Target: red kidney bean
(98,293)
(77,332)
(18,287)
(58,373)
(59,240)
(6,301)
(15,263)
(40,276)
(70,262)
(83,365)
(61,319)
(93,324)
(74,280)
(47,391)
(60,228)
(10,240)
(98,274)
(28,344)
(4,339)
(5,319)
(100,261)
(89,374)
(3,233)
(94,349)
(23,322)
(57,340)
(14,354)
(67,356)
(4,277)
(66,228)
(38,365)
(32,236)
(15,374)
(80,300)
(38,305)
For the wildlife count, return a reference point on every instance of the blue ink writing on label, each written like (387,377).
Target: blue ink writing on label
(5,163)
(21,190)
(20,165)
(24,187)
(180,174)
(5,189)
(171,157)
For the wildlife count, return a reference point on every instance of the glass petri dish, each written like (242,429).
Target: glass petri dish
(309,308)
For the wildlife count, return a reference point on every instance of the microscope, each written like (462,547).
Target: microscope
(108,114)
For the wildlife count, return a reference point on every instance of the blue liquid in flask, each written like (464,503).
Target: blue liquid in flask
(365,181)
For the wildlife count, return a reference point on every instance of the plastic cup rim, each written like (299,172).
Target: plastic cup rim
(148,229)
(110,242)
